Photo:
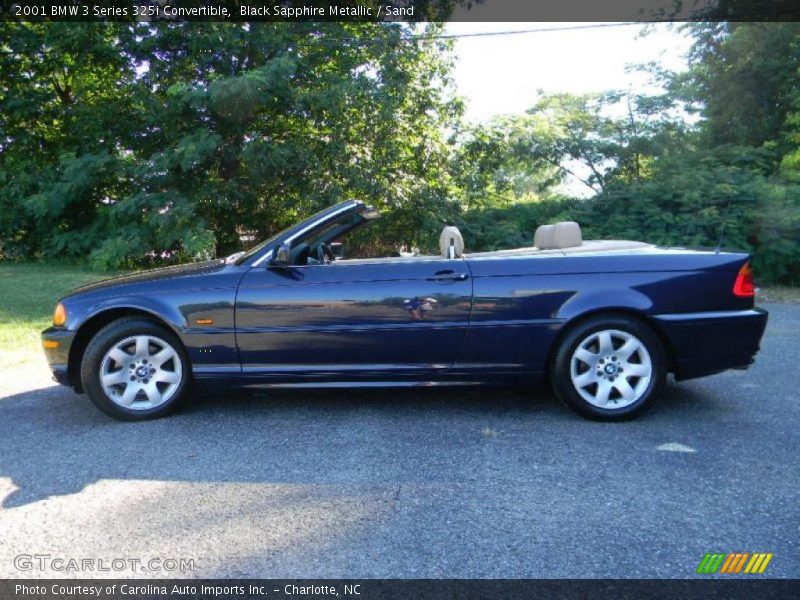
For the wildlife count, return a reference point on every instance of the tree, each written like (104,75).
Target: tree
(172,140)
(490,169)
(730,176)
(744,78)
(63,111)
(592,138)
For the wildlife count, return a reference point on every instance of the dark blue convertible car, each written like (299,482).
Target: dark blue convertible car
(603,321)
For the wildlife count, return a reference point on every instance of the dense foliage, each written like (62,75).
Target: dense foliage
(731,177)
(710,197)
(128,144)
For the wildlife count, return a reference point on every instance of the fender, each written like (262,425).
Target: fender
(163,311)
(608,299)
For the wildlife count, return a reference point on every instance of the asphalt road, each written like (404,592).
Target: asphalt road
(415,483)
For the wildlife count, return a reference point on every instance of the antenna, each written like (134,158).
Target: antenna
(722,225)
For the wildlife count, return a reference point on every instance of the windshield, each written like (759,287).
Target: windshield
(238,258)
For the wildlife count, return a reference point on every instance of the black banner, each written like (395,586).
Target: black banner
(400,10)
(369,589)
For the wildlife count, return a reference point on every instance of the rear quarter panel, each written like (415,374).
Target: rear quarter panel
(521,304)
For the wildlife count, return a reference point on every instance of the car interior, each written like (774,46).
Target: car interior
(324,246)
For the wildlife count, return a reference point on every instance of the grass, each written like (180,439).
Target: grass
(779,294)
(28,295)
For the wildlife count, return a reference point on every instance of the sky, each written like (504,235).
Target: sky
(501,75)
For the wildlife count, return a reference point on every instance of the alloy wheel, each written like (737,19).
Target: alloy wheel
(611,369)
(141,372)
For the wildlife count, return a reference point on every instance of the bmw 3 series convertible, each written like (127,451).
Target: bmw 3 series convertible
(604,321)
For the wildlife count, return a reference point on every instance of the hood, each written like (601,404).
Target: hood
(178,272)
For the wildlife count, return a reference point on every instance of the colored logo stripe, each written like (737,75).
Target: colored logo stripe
(758,563)
(710,563)
(734,562)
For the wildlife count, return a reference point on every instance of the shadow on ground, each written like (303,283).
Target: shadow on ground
(422,482)
(60,443)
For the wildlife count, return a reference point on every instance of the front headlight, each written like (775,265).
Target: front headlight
(59,315)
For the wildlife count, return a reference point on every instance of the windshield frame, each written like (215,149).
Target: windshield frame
(263,251)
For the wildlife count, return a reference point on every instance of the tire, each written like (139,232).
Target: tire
(134,369)
(609,368)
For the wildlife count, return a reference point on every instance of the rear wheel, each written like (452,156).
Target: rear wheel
(134,369)
(609,368)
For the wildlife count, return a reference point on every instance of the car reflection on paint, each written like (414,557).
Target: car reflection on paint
(417,307)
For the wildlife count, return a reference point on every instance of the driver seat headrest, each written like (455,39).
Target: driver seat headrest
(451,243)
(566,234)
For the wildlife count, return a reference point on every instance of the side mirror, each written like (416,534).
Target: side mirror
(337,249)
(282,257)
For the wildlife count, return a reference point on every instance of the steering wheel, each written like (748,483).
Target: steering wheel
(324,253)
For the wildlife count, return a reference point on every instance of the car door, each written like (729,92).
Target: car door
(354,317)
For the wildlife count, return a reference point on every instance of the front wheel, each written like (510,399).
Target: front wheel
(609,368)
(134,370)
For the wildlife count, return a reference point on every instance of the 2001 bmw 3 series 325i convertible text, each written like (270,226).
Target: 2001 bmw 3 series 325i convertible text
(603,321)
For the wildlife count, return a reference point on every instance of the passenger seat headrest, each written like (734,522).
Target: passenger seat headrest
(566,234)
(451,244)
(544,236)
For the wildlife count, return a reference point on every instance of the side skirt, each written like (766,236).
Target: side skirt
(219,380)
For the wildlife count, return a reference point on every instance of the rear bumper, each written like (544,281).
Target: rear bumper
(57,343)
(709,342)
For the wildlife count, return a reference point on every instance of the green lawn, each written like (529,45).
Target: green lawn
(28,295)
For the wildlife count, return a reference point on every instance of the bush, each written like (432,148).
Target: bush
(513,226)
(692,202)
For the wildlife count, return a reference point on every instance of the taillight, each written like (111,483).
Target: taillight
(743,286)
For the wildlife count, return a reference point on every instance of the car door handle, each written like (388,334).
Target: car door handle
(448,276)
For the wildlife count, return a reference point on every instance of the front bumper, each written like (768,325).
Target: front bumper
(57,343)
(709,342)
